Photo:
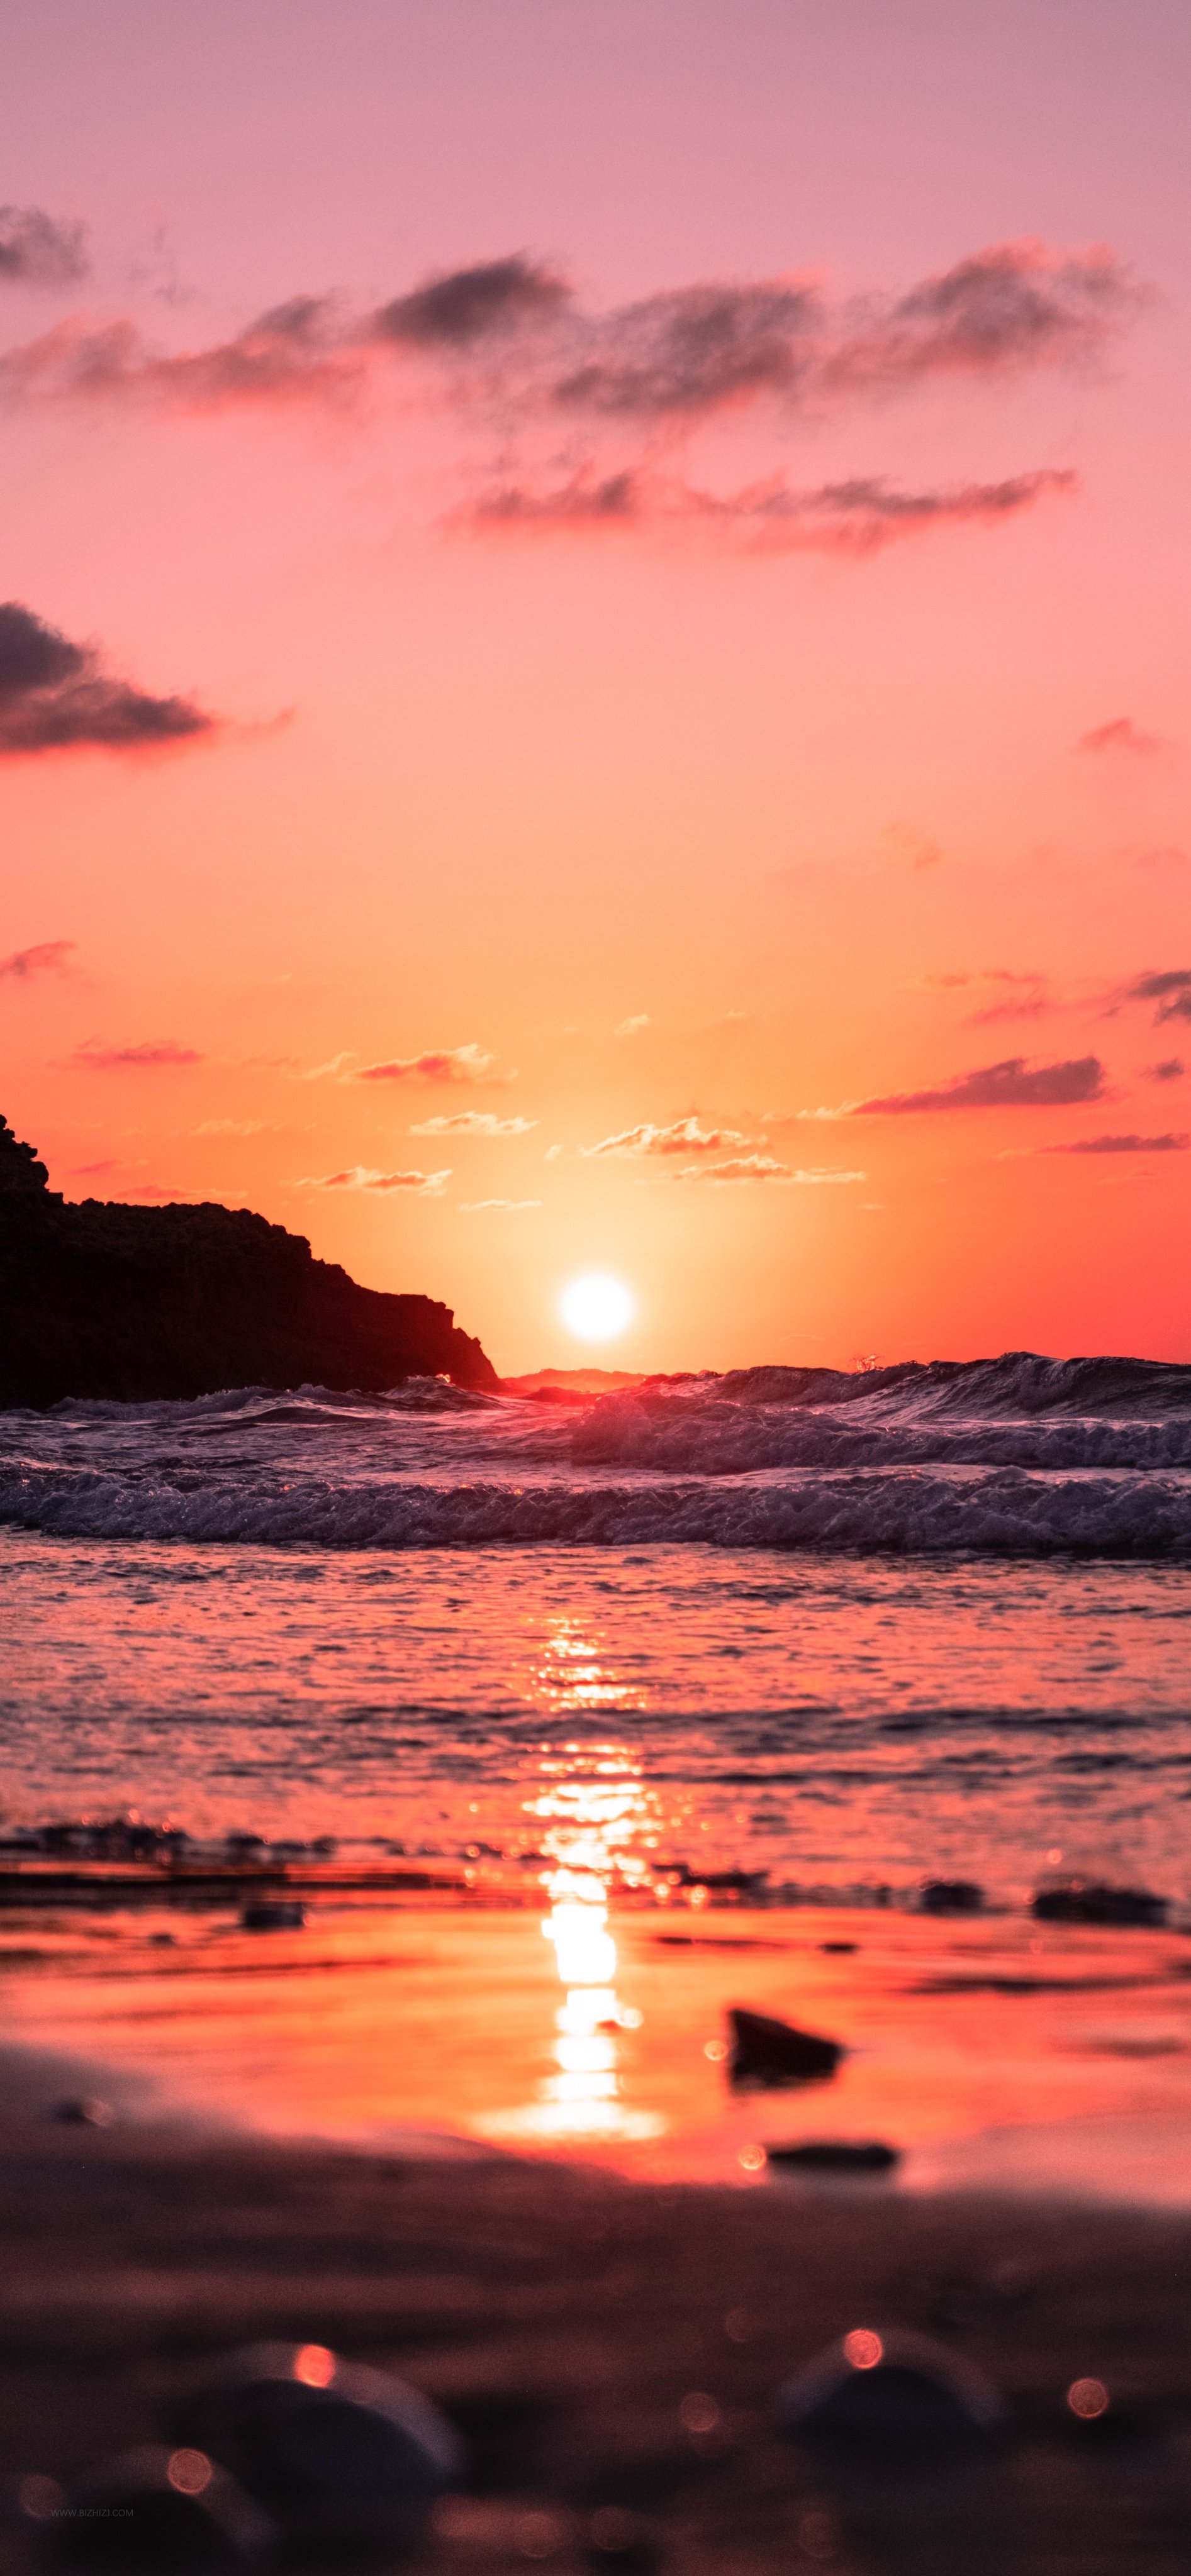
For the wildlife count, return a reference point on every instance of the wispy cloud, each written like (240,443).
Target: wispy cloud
(234,1127)
(473,1122)
(37,250)
(506,347)
(1012,1084)
(1171,1068)
(762,1167)
(437,1064)
(1122,1145)
(358,1176)
(1018,996)
(57,696)
(167,1192)
(508,1207)
(47,958)
(1171,990)
(856,518)
(464,307)
(685,1136)
(95,1055)
(1119,734)
(632,1027)
(513,327)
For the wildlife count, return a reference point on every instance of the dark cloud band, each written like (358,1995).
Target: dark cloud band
(56,696)
(1013,1084)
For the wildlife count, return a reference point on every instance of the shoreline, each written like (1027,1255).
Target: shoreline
(989,2053)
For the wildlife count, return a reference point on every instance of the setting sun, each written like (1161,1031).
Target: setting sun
(596,1307)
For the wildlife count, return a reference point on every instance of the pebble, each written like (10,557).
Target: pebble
(339,2455)
(895,2389)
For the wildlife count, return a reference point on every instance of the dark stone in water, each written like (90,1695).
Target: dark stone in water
(771,2052)
(838,1948)
(837,2155)
(341,2457)
(157,2513)
(893,2391)
(1086,1901)
(950,1896)
(264,1914)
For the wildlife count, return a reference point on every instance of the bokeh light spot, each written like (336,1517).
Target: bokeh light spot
(189,2472)
(862,2349)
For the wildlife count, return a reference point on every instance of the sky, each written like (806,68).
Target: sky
(593,668)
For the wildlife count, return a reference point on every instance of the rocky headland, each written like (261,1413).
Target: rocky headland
(98,1299)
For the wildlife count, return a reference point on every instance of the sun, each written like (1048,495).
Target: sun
(596,1307)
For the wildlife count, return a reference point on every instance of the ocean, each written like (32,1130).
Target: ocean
(771,1648)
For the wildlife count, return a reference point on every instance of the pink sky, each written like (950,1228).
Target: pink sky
(718,658)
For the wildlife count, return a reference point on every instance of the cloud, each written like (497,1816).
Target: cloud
(1171,990)
(1014,306)
(56,696)
(438,1064)
(93,1055)
(1122,1145)
(855,518)
(473,1122)
(1021,996)
(527,373)
(1170,1069)
(740,1167)
(762,1167)
(296,353)
(35,250)
(510,1207)
(1119,734)
(686,1136)
(632,1028)
(1013,1084)
(234,1127)
(322,1072)
(464,305)
(48,958)
(678,356)
(425,1185)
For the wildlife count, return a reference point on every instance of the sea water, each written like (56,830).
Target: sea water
(834,1635)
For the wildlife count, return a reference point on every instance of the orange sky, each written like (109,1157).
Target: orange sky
(717,657)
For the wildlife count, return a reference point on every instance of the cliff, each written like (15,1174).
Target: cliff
(134,1303)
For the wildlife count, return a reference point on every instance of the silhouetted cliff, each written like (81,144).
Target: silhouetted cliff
(128,1302)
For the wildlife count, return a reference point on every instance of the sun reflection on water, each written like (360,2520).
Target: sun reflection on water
(597,1824)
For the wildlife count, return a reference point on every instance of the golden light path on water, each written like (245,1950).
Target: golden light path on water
(597,1825)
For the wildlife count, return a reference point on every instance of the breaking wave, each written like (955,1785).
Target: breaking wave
(1019,1456)
(1003,1512)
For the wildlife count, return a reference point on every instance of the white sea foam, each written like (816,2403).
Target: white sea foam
(1018,1456)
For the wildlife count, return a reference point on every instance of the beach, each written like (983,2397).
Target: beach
(605,2346)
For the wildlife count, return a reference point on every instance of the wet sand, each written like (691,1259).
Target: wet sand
(563,2315)
(992,2051)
